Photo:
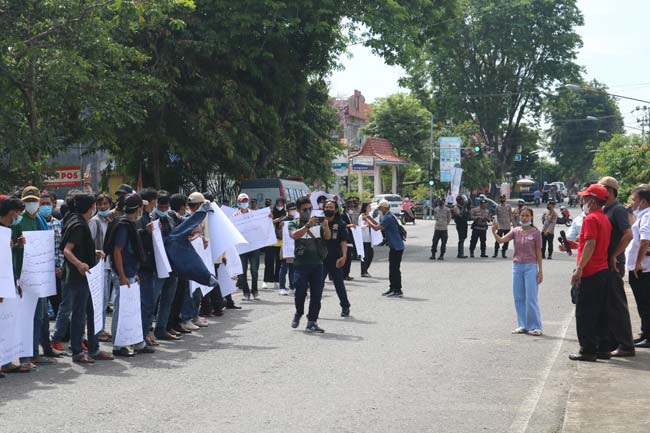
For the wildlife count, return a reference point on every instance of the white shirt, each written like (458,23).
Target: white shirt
(365,230)
(640,232)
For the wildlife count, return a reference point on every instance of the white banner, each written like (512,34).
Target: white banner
(206,256)
(38,276)
(7,279)
(233,262)
(129,321)
(163,267)
(449,156)
(357,234)
(17,327)
(257,228)
(456,181)
(96,285)
(227,285)
(376,237)
(288,244)
(223,233)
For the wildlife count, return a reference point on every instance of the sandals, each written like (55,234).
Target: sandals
(83,358)
(21,368)
(103,356)
(536,332)
(105,338)
(42,360)
(520,331)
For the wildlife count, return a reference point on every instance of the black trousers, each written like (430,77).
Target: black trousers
(213,301)
(175,315)
(369,254)
(336,274)
(271,264)
(547,241)
(504,246)
(616,325)
(348,263)
(641,290)
(308,277)
(591,306)
(476,236)
(394,272)
(439,236)
(462,235)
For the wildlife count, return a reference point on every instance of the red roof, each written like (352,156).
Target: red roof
(379,148)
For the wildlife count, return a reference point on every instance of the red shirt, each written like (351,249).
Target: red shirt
(596,226)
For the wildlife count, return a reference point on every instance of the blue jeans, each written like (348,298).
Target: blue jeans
(167,289)
(524,287)
(148,298)
(252,258)
(191,305)
(284,269)
(41,327)
(116,306)
(308,276)
(62,324)
(82,316)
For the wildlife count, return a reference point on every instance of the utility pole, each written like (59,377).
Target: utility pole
(431,167)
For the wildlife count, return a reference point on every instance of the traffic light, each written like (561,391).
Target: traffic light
(477,149)
(431,180)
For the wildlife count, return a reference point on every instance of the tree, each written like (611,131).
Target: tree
(580,121)
(494,65)
(625,158)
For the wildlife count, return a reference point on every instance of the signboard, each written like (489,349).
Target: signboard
(518,157)
(363,163)
(65,176)
(340,168)
(449,157)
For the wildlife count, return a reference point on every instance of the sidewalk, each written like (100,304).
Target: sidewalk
(612,396)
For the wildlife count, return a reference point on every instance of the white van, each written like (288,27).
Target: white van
(261,189)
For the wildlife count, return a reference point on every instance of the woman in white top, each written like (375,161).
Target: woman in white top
(367,243)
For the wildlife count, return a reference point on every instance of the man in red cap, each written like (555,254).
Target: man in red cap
(592,272)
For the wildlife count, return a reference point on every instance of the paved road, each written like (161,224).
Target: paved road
(441,359)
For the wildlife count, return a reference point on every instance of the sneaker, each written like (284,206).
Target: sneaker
(256,297)
(246,297)
(124,352)
(348,278)
(395,294)
(345,312)
(276,286)
(366,275)
(56,346)
(389,292)
(200,322)
(313,327)
(296,321)
(189,326)
(283,292)
(266,285)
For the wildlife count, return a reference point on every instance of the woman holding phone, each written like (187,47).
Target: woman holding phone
(526,271)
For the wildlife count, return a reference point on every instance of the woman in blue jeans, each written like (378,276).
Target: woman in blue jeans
(526,271)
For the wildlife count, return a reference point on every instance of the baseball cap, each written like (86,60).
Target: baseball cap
(609,182)
(124,189)
(242,197)
(595,190)
(133,201)
(31,193)
(196,198)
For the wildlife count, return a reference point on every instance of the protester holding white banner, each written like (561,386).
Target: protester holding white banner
(368,251)
(250,258)
(288,252)
(80,256)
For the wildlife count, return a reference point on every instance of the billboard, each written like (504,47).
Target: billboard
(64,176)
(449,157)
(363,163)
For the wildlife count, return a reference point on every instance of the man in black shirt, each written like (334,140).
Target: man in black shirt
(461,216)
(79,252)
(616,331)
(337,251)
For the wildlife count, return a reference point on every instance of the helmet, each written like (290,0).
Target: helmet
(521,201)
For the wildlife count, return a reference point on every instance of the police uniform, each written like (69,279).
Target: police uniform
(480,219)
(461,216)
(504,219)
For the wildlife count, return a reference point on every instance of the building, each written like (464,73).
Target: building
(375,154)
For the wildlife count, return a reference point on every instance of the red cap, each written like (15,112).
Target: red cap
(595,190)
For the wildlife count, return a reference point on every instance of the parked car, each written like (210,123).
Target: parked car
(261,189)
(395,201)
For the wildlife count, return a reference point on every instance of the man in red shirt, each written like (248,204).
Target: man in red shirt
(591,273)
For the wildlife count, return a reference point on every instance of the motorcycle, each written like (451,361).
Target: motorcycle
(407,217)
(565,217)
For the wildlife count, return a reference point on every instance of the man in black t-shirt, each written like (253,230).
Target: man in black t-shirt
(616,328)
(79,253)
(337,250)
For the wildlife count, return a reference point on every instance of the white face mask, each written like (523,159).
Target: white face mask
(321,205)
(31,207)
(585,208)
(279,207)
(243,205)
(294,213)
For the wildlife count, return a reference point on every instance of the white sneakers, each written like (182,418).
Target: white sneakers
(200,322)
(267,286)
(283,292)
(189,326)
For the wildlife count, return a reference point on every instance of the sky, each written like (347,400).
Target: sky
(616,41)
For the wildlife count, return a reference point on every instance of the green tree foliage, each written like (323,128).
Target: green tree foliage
(574,134)
(627,158)
(494,65)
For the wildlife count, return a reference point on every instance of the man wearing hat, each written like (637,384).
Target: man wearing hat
(620,338)
(251,258)
(461,216)
(591,274)
(121,193)
(504,219)
(481,216)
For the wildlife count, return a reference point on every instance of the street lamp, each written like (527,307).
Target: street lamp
(576,88)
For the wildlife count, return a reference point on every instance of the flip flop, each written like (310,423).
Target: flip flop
(535,332)
(16,369)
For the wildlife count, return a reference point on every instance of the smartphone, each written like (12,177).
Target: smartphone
(320,220)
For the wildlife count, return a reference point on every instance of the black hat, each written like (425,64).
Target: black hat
(133,201)
(124,189)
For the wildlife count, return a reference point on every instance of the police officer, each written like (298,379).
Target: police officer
(504,219)
(442,215)
(515,212)
(461,216)
(481,216)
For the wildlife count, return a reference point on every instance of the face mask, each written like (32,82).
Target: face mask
(45,211)
(279,208)
(305,215)
(350,212)
(329,213)
(104,213)
(243,205)
(160,213)
(31,207)
(17,220)
(585,208)
(321,205)
(294,213)
(521,223)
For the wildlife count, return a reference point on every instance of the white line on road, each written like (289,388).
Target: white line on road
(528,406)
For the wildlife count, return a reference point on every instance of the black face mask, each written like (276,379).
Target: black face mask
(329,213)
(305,215)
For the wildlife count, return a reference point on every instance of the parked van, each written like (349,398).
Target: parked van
(261,189)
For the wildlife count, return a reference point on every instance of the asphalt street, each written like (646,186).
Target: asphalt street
(441,359)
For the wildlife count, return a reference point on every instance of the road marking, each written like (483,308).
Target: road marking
(528,406)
